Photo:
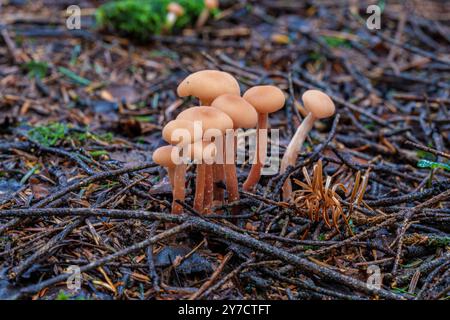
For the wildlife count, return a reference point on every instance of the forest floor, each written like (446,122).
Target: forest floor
(81,112)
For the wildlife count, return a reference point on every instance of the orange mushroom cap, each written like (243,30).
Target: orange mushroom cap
(176,9)
(318,103)
(208,85)
(163,156)
(238,109)
(210,118)
(211,4)
(180,131)
(265,99)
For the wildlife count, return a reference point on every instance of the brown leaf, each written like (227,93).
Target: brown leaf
(39,190)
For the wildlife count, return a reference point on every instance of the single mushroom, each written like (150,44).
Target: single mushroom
(210,5)
(207,85)
(180,133)
(174,11)
(265,99)
(214,124)
(319,106)
(244,116)
(164,156)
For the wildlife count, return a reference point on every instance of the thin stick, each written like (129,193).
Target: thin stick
(213,278)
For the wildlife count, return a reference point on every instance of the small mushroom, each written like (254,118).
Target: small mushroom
(265,99)
(319,106)
(207,85)
(214,124)
(164,156)
(180,132)
(174,11)
(210,5)
(244,116)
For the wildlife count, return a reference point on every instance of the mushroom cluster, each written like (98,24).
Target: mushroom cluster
(206,135)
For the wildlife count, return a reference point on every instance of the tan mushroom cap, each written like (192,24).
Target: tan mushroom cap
(176,9)
(240,111)
(163,156)
(180,131)
(210,118)
(208,85)
(265,99)
(211,4)
(318,103)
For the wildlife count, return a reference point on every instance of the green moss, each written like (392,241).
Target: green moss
(98,153)
(107,137)
(52,134)
(335,42)
(36,69)
(144,118)
(316,56)
(62,295)
(436,241)
(425,155)
(48,135)
(142,18)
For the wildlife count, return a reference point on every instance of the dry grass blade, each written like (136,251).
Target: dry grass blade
(322,200)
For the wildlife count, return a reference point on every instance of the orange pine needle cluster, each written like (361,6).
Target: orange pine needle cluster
(321,201)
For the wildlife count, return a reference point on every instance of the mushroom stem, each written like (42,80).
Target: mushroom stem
(294,147)
(219,175)
(261,147)
(218,169)
(231,177)
(199,187)
(170,20)
(179,188)
(202,18)
(209,183)
(205,102)
(171,173)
